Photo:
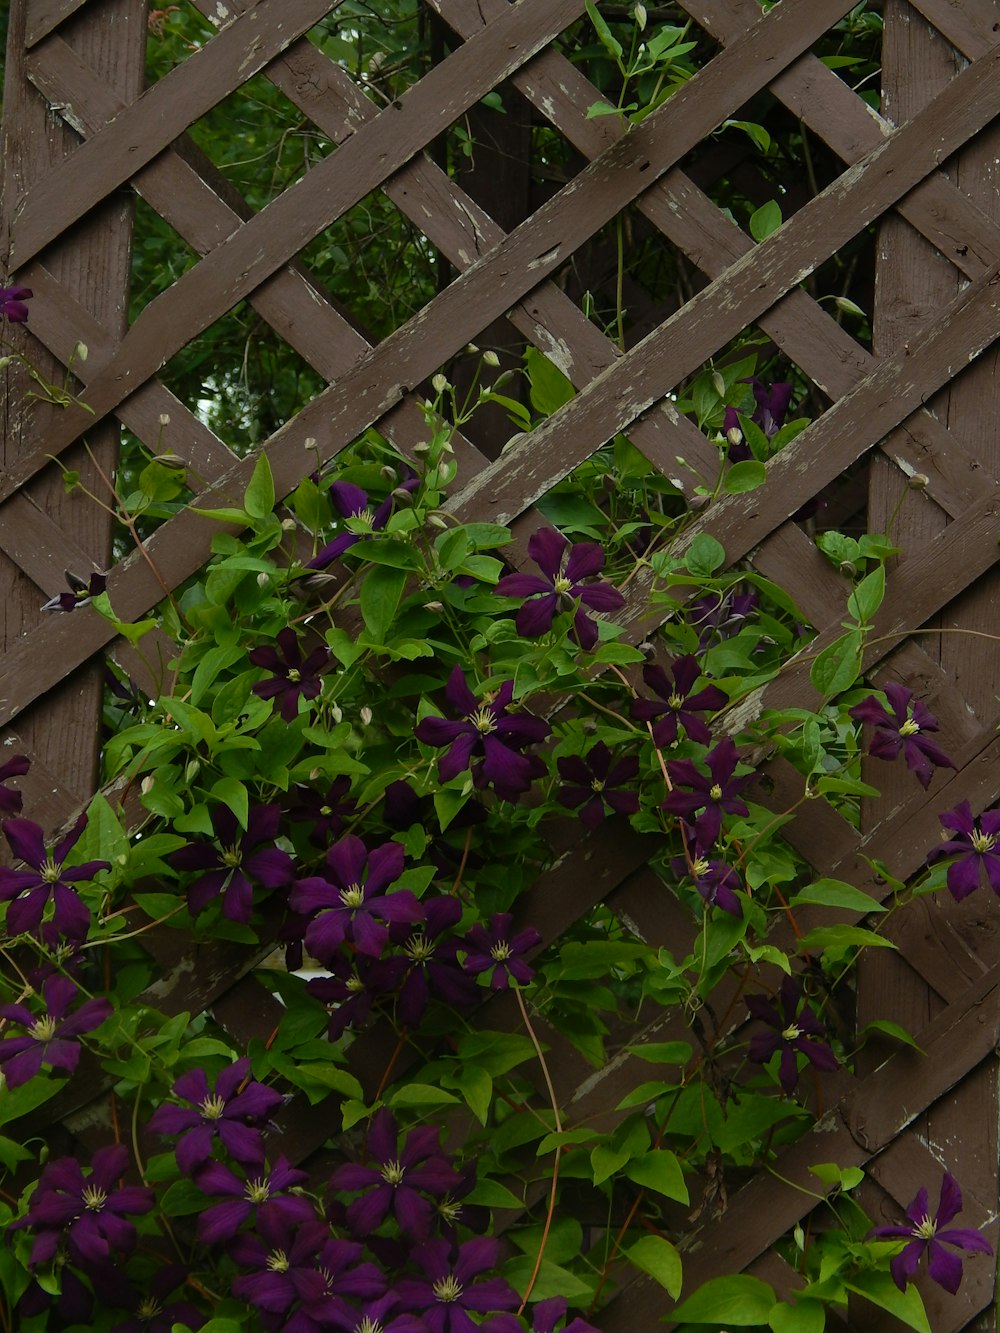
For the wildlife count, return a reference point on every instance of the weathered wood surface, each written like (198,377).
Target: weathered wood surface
(925,168)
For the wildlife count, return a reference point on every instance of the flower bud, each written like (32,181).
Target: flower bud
(366,716)
(263,579)
(315,774)
(471,348)
(919,481)
(146,785)
(164,419)
(192,770)
(309,442)
(421,450)
(734,435)
(491,359)
(639,13)
(436,607)
(81,351)
(718,383)
(436,521)
(337,713)
(439,383)
(402,497)
(288,525)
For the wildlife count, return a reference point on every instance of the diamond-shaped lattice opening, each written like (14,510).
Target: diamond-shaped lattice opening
(159,256)
(247,405)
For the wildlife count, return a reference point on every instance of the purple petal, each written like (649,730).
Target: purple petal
(943,1267)
(586,559)
(547,547)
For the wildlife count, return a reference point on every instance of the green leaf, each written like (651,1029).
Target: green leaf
(380,594)
(232,793)
(16,1102)
(491,1194)
(549,386)
(843,1177)
(421,1094)
(893,1030)
(765,220)
(224,1326)
(659,1170)
(11,1153)
(839,664)
(604,33)
(182,1199)
(868,595)
(552,1280)
(739,1299)
(835,893)
(326,1078)
(705,555)
(745,476)
(843,937)
(880,1289)
(605,1161)
(804,1317)
(663,1052)
(660,1259)
(476,1087)
(259,498)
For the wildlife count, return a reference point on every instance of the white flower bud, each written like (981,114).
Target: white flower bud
(439,383)
(164,419)
(146,785)
(192,770)
(263,579)
(734,435)
(366,716)
(81,351)
(718,383)
(639,14)
(336,712)
(436,521)
(491,359)
(436,607)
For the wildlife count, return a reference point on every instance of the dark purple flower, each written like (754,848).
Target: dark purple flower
(151,1310)
(487,738)
(231,868)
(360,519)
(373,1316)
(10,798)
(715,881)
(448,1288)
(977,848)
(243,1198)
(594,784)
(402,1180)
(88,1212)
(544,1317)
(720,615)
(356,984)
(328,811)
(28,891)
(793,1031)
(714,794)
(429,962)
(903,729)
(282,1256)
(561,587)
(350,903)
(498,951)
(293,677)
(12,303)
(925,1237)
(769,414)
(49,1039)
(343,1276)
(680,706)
(234,1112)
(81,591)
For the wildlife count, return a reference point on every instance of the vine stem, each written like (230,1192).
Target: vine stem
(391,1065)
(558,1153)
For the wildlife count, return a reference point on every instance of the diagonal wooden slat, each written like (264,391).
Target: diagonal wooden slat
(163,111)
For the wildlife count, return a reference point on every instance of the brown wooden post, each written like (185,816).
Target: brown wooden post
(954,672)
(62,734)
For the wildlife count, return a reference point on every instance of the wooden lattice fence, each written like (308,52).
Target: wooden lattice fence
(80,135)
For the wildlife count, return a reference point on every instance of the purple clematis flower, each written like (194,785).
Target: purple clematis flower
(769,414)
(544,1317)
(87,1211)
(49,1040)
(715,881)
(294,677)
(487,738)
(905,728)
(246,1197)
(561,587)
(81,592)
(28,891)
(977,848)
(720,615)
(594,784)
(712,795)
(12,303)
(234,1113)
(281,1255)
(360,519)
(925,1237)
(429,962)
(10,798)
(402,1180)
(680,706)
(230,869)
(356,984)
(448,1288)
(151,1310)
(328,811)
(351,902)
(371,1317)
(793,1032)
(497,950)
